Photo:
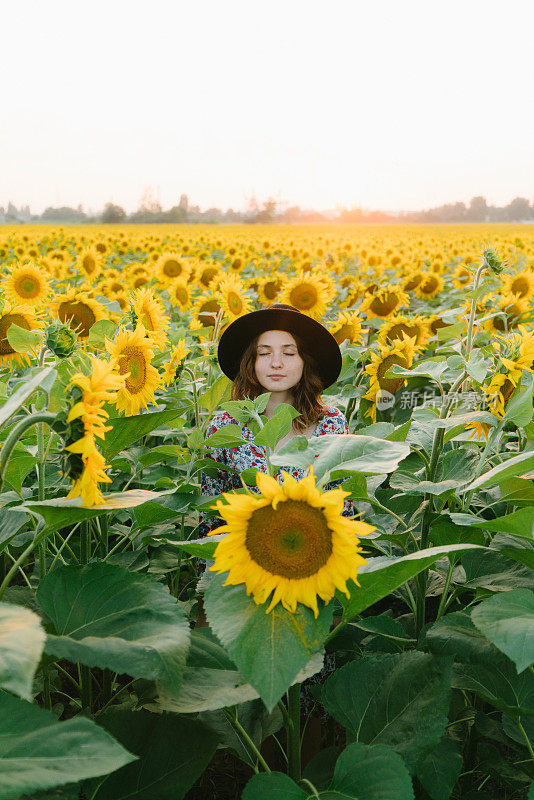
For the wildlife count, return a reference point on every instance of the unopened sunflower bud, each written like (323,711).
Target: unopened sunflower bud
(61,339)
(492,260)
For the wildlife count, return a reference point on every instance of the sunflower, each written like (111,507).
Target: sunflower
(306,293)
(231,293)
(205,311)
(170,369)
(521,284)
(27,284)
(416,327)
(412,280)
(149,311)
(291,541)
(461,276)
(180,294)
(500,390)
(269,288)
(206,275)
(384,302)
(236,264)
(133,352)
(347,325)
(401,353)
(171,266)
(90,263)
(24,317)
(512,309)
(430,286)
(78,310)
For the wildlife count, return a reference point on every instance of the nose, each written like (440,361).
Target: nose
(276,361)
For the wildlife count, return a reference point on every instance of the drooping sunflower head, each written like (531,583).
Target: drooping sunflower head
(291,544)
(27,284)
(172,367)
(133,353)
(78,310)
(234,301)
(521,284)
(171,266)
(500,390)
(269,288)
(399,327)
(307,293)
(150,312)
(24,317)
(347,325)
(513,310)
(205,311)
(430,286)
(412,280)
(384,302)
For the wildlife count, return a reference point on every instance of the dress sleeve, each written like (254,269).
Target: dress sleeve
(335,421)
(215,484)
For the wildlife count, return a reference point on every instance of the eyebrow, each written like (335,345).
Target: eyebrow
(269,346)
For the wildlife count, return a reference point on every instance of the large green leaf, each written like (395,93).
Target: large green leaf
(382,575)
(105,616)
(60,512)
(517,465)
(18,467)
(38,752)
(339,455)
(127,430)
(24,392)
(277,427)
(253,718)
(173,752)
(455,635)
(440,770)
(518,523)
(21,644)
(519,407)
(507,620)
(401,700)
(227,436)
(11,521)
(268,785)
(499,684)
(216,394)
(269,650)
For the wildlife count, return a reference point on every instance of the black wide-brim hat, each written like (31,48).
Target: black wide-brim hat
(321,344)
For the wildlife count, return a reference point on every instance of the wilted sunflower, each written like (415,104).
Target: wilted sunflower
(306,293)
(90,263)
(513,310)
(133,352)
(171,266)
(178,353)
(430,286)
(412,280)
(347,325)
(78,310)
(27,284)
(234,302)
(291,541)
(24,317)
(150,312)
(521,284)
(401,353)
(384,302)
(397,327)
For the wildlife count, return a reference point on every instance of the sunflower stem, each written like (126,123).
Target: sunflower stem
(85,672)
(18,431)
(245,738)
(293,732)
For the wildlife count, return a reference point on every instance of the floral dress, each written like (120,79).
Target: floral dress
(250,455)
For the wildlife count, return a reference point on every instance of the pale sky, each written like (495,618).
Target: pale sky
(392,104)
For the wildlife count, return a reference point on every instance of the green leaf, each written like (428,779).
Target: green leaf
(38,752)
(204,547)
(382,575)
(269,650)
(507,620)
(163,453)
(99,331)
(216,394)
(23,393)
(498,684)
(277,427)
(227,436)
(173,752)
(105,616)
(518,523)
(150,514)
(127,430)
(254,719)
(18,467)
(61,512)
(517,465)
(11,521)
(400,700)
(341,454)
(455,635)
(22,340)
(21,644)
(425,369)
(519,407)
(268,785)
(366,772)
(440,770)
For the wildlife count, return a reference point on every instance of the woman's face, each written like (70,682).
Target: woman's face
(278,363)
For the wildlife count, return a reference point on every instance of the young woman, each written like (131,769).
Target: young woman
(284,352)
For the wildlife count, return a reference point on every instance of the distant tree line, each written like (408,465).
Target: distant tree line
(271,211)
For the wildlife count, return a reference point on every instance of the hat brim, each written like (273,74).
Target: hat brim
(238,335)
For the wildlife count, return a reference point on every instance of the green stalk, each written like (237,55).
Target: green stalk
(443,600)
(527,740)
(85,672)
(243,735)
(293,733)
(18,431)
(20,560)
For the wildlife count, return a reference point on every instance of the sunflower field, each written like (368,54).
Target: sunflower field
(392,656)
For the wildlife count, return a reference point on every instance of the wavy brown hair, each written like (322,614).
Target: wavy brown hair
(306,394)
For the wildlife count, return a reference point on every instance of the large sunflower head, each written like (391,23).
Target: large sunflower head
(90,263)
(206,274)
(171,266)
(205,311)
(384,302)
(399,327)
(24,317)
(234,302)
(400,353)
(347,325)
(27,284)
(412,280)
(430,286)
(78,310)
(133,353)
(149,311)
(307,293)
(291,542)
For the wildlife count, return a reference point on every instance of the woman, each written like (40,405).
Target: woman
(292,356)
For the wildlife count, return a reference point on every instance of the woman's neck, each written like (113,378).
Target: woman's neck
(276,399)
